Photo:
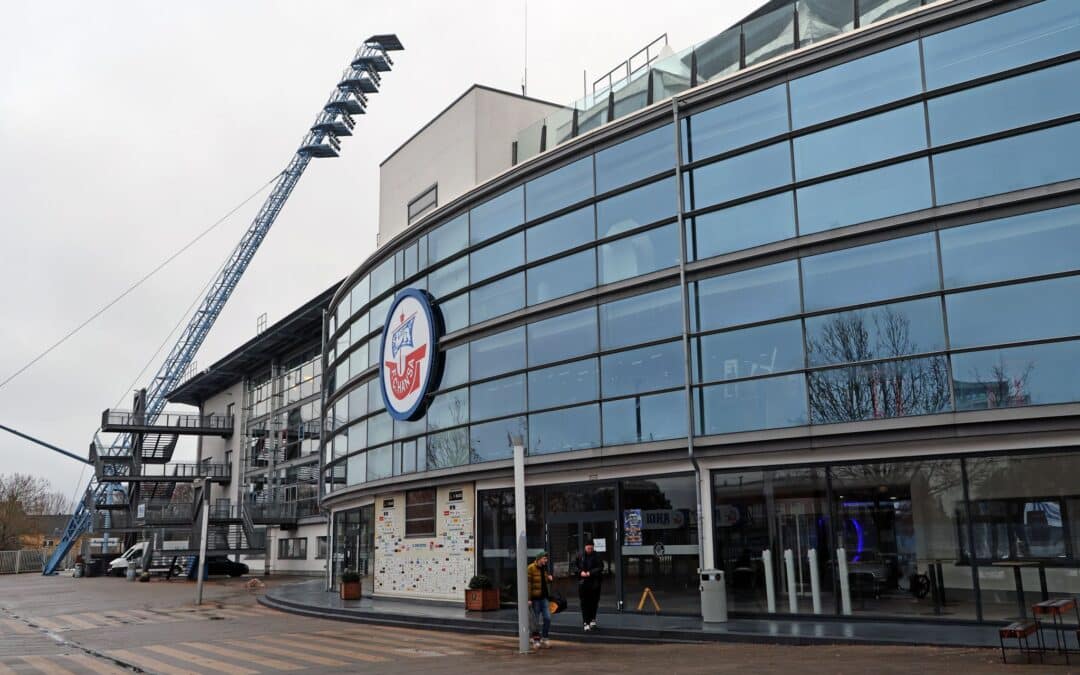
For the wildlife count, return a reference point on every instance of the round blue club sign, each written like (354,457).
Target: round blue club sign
(410,350)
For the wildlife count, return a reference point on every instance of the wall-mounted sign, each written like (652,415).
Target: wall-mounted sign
(388,503)
(410,352)
(599,545)
(663,519)
(140,513)
(457,495)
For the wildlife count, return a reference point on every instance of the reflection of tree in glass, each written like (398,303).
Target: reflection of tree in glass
(450,448)
(514,427)
(878,390)
(1002,387)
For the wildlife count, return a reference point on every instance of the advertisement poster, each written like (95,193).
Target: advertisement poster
(632,527)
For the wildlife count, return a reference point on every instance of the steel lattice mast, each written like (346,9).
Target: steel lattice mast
(335,120)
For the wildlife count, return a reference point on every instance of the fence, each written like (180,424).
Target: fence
(29,560)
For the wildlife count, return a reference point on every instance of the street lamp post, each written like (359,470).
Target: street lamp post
(522,549)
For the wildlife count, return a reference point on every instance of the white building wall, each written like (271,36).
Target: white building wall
(215,449)
(311,565)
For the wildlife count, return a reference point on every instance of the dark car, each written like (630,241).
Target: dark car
(218,565)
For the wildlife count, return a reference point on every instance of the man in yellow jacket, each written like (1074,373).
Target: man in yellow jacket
(539,595)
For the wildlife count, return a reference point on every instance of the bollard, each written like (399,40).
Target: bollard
(845,590)
(815,582)
(770,592)
(789,565)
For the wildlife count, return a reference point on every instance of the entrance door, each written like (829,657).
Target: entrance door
(567,534)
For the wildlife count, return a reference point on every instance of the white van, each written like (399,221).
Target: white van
(133,556)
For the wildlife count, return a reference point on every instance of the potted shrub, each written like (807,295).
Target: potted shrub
(350,586)
(480,596)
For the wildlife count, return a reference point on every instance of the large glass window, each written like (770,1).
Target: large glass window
(382,278)
(564,430)
(642,318)
(750,352)
(642,370)
(562,337)
(1007,248)
(497,298)
(744,226)
(1017,376)
(497,398)
(564,384)
(380,463)
(634,159)
(448,449)
(445,280)
(765,403)
(1015,163)
(559,188)
(885,331)
(559,234)
(641,206)
(639,254)
(359,294)
(642,419)
(865,196)
(448,238)
(496,354)
(497,258)
(1033,33)
(863,141)
(870,273)
(561,277)
(858,85)
(748,296)
(492,440)
(455,366)
(455,313)
(737,123)
(999,106)
(741,175)
(449,409)
(880,390)
(497,215)
(1041,309)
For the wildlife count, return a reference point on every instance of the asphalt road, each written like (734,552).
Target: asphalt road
(60,625)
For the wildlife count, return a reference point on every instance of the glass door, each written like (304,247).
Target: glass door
(567,534)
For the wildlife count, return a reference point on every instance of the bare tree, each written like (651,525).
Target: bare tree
(21,497)
(1002,388)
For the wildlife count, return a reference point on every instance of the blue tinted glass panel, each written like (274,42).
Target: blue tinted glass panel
(880,390)
(455,366)
(562,187)
(768,403)
(998,106)
(380,311)
(497,298)
(382,278)
(645,418)
(630,210)
(639,254)
(744,226)
(455,313)
(761,350)
(564,430)
(497,398)
(357,469)
(562,337)
(875,332)
(565,384)
(497,215)
(358,401)
(413,428)
(1041,309)
(638,371)
(491,441)
(741,175)
(752,295)
(445,280)
(375,401)
(738,123)
(1011,248)
(561,277)
(497,258)
(499,353)
(858,85)
(900,188)
(635,159)
(448,409)
(448,449)
(448,238)
(380,463)
(559,234)
(380,429)
(870,273)
(1039,31)
(1023,161)
(360,293)
(1017,376)
(642,318)
(863,141)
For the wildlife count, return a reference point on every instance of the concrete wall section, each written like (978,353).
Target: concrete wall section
(311,565)
(429,568)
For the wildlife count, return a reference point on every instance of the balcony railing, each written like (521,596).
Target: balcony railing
(126,420)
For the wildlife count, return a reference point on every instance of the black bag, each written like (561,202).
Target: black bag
(557,603)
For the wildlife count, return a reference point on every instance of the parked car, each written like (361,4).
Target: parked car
(219,565)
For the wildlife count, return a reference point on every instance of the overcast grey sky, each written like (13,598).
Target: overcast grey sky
(128,127)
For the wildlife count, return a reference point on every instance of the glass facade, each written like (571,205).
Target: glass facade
(893,235)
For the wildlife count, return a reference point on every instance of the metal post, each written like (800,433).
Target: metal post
(18,561)
(792,594)
(205,483)
(770,592)
(845,590)
(815,580)
(522,548)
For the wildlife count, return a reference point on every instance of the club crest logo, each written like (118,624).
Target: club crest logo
(408,354)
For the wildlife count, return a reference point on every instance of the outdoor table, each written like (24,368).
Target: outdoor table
(1017,566)
(1056,610)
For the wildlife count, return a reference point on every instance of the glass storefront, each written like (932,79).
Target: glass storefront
(897,537)
(354,542)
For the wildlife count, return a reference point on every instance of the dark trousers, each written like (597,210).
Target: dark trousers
(590,600)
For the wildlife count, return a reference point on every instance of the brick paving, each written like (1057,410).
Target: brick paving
(60,625)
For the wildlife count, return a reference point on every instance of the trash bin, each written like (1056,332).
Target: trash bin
(713,597)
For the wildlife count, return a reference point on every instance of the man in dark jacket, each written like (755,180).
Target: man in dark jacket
(590,573)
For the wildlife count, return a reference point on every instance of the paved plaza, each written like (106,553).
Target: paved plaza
(60,625)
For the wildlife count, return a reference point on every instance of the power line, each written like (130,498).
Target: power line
(138,283)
